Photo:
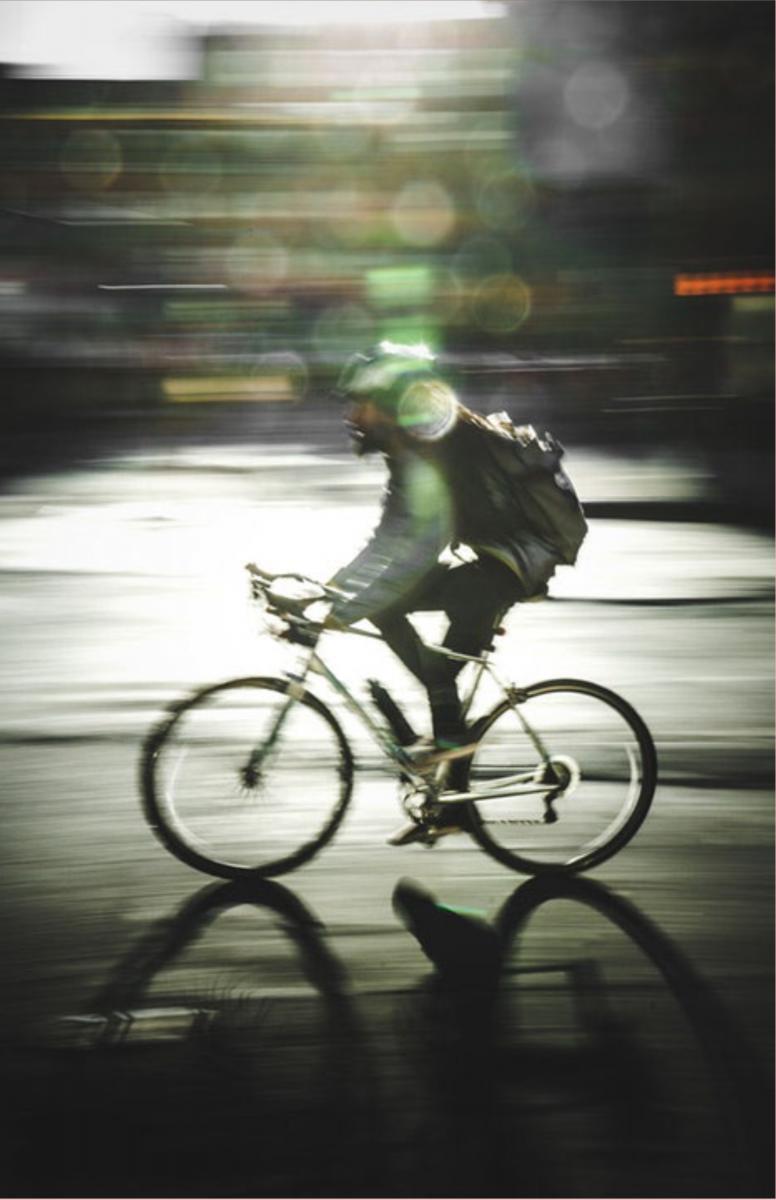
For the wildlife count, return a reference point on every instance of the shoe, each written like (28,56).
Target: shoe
(425,754)
(427,834)
(400,726)
(465,948)
(419,749)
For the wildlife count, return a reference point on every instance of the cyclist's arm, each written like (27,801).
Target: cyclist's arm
(415,527)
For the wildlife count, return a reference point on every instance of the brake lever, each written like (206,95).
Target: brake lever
(257,573)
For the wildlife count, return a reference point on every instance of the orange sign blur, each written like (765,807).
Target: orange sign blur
(722,284)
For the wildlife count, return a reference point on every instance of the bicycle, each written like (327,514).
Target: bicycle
(252,777)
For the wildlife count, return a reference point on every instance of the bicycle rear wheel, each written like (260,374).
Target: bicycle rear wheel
(227,797)
(581,785)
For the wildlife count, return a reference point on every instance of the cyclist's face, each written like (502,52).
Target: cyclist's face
(368,425)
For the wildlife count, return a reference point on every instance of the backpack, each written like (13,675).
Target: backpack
(527,485)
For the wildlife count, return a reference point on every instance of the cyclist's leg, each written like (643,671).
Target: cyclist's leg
(435,672)
(474,596)
(400,635)
(481,593)
(478,595)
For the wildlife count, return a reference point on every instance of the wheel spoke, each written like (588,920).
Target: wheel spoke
(233,791)
(588,796)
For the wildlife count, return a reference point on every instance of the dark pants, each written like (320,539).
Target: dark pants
(474,596)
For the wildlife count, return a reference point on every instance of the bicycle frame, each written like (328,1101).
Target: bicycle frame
(296,681)
(505,774)
(521,783)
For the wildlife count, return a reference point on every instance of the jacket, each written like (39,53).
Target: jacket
(438,494)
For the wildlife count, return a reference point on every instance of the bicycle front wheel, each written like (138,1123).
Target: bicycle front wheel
(246,778)
(562,777)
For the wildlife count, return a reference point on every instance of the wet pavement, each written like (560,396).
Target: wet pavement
(166,1035)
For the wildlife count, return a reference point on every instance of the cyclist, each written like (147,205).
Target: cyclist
(439,495)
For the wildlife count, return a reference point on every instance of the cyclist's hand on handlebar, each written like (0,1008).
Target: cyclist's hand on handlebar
(252,569)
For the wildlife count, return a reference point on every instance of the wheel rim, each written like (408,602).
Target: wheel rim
(223,808)
(592,754)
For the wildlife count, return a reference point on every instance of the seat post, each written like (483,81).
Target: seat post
(479,671)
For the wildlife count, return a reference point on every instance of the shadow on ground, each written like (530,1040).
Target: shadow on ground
(492,1077)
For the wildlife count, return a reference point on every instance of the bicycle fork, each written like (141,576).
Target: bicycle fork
(294,691)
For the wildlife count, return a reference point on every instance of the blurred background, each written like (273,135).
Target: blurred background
(204,208)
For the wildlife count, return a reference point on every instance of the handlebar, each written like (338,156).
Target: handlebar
(300,628)
(269,577)
(264,579)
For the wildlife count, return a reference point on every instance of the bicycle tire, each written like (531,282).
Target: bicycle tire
(221,748)
(599,780)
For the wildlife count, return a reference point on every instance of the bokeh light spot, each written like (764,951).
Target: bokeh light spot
(423,213)
(428,410)
(91,160)
(286,365)
(398,286)
(596,95)
(505,200)
(353,215)
(257,262)
(501,304)
(448,295)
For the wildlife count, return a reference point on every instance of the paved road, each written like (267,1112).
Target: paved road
(622,1056)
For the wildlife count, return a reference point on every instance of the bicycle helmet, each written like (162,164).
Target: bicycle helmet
(404,383)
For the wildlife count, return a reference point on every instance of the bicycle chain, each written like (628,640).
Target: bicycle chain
(516,821)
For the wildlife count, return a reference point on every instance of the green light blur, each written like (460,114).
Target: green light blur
(318,182)
(320,188)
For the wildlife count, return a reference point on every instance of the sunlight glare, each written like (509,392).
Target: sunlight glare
(149,38)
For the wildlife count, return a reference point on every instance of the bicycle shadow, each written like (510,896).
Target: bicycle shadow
(170,937)
(450,1089)
(246,1093)
(598,1084)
